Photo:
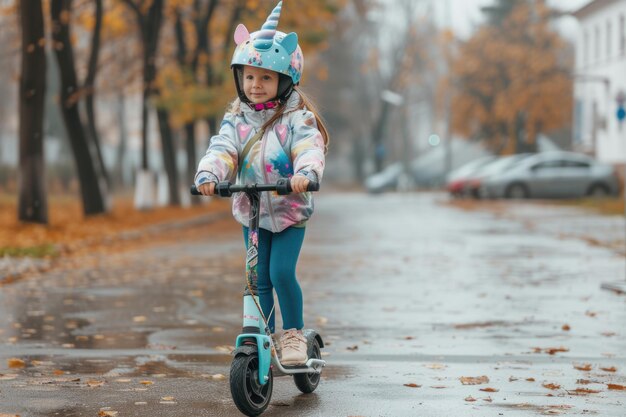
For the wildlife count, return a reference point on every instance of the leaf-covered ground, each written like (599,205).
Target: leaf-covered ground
(70,231)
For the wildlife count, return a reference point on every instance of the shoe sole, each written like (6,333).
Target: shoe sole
(294,363)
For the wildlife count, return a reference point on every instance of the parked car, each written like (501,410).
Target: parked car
(456,180)
(385,180)
(553,175)
(494,168)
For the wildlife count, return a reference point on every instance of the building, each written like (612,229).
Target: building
(600,81)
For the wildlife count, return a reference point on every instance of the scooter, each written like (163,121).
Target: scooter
(255,358)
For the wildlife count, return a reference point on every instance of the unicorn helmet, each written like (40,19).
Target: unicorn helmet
(270,49)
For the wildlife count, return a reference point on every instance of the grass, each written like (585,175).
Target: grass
(68,230)
(41,251)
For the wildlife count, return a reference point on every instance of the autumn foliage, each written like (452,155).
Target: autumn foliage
(512,81)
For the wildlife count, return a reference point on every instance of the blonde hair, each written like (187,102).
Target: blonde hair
(305,103)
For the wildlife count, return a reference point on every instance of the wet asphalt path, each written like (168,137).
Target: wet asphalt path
(410,294)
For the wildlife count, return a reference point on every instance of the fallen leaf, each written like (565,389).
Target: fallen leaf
(616,387)
(583,367)
(470,399)
(489,389)
(225,348)
(321,321)
(566,328)
(582,391)
(107,413)
(488,399)
(551,386)
(353,348)
(474,380)
(9,415)
(438,386)
(608,334)
(552,351)
(16,363)
(583,381)
(139,319)
(530,379)
(95,383)
(435,366)
(218,377)
(146,382)
(590,313)
(610,369)
(412,385)
(511,379)
(168,398)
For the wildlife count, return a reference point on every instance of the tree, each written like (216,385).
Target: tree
(149,16)
(149,24)
(89,88)
(32,194)
(512,81)
(91,188)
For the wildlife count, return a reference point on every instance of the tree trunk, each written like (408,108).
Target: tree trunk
(33,206)
(190,134)
(169,156)
(90,89)
(91,191)
(121,149)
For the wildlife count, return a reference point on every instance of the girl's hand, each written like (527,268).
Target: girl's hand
(299,183)
(207,189)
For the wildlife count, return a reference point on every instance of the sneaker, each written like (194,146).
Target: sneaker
(293,347)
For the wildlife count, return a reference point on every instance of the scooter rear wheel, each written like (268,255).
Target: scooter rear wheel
(250,397)
(307,383)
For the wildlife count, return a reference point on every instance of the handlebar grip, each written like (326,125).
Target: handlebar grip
(313,186)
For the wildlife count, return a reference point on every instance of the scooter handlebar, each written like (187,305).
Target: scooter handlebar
(282,187)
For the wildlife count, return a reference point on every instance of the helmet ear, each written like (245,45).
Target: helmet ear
(290,42)
(241,34)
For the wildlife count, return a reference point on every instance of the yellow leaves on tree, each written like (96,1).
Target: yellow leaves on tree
(187,100)
(512,82)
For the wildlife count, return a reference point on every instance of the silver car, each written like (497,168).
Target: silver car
(553,175)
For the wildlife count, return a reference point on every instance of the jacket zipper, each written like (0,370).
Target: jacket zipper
(270,210)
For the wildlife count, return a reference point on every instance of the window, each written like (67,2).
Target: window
(608,39)
(597,43)
(577,164)
(622,35)
(585,48)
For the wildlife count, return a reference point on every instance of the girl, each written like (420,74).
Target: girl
(271,131)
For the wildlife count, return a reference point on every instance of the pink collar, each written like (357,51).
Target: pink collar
(264,106)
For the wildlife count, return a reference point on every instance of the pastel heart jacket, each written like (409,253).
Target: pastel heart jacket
(292,146)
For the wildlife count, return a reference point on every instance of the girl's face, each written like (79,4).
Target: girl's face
(259,84)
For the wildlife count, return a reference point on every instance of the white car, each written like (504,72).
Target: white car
(555,174)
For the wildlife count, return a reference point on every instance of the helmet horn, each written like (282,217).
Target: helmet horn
(265,37)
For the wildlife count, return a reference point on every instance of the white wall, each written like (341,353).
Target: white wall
(600,75)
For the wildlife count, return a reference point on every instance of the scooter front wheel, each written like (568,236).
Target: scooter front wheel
(250,397)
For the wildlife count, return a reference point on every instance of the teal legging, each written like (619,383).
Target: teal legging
(278,256)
